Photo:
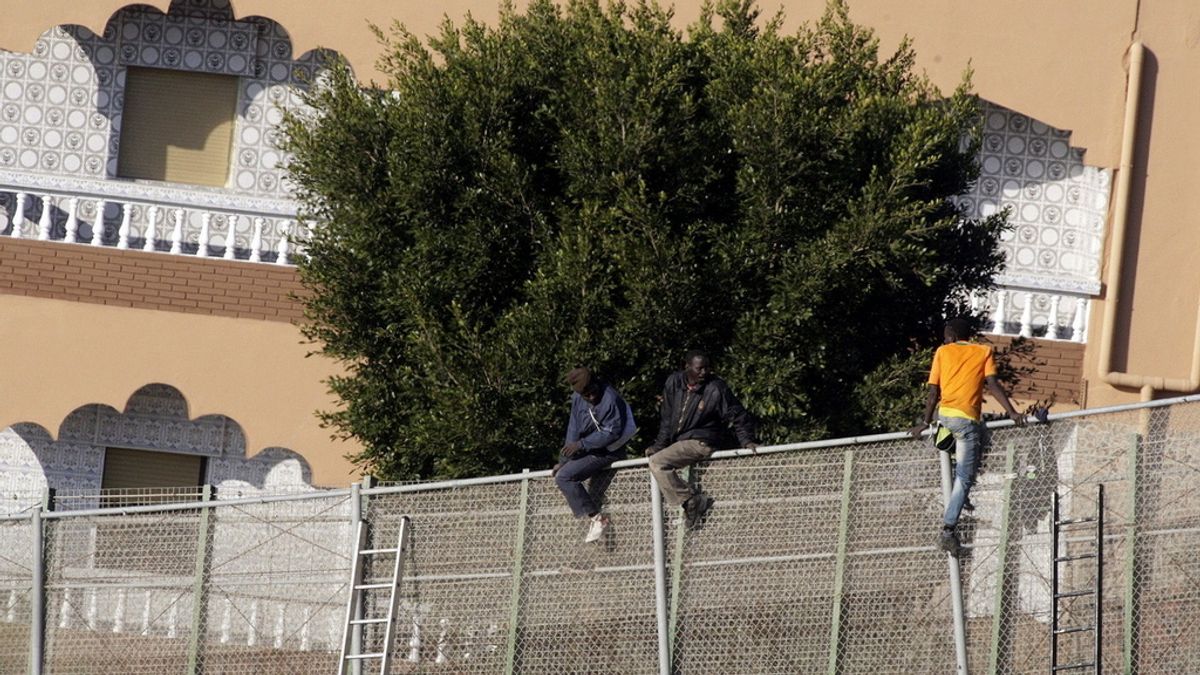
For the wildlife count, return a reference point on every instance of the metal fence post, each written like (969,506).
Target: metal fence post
(660,578)
(956,599)
(514,603)
(200,583)
(1131,614)
(37,609)
(839,572)
(356,512)
(676,582)
(1004,582)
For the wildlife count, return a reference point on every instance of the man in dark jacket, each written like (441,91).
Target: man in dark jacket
(601,424)
(697,407)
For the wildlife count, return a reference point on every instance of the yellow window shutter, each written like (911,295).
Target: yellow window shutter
(177,126)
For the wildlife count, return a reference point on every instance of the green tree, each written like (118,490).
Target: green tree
(584,184)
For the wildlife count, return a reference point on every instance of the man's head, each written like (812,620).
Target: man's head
(584,384)
(957,329)
(696,367)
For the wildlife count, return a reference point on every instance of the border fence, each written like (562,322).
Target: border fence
(817,557)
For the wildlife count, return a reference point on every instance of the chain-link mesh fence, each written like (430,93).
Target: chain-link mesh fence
(812,560)
(16,579)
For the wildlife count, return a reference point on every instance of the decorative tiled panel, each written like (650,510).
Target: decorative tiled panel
(155,419)
(61,107)
(192,42)
(1057,203)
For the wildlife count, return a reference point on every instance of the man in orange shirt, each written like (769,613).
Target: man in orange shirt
(960,370)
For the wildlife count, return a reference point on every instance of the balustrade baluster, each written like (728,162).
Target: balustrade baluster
(1052,321)
(256,241)
(151,228)
(205,225)
(1027,317)
(231,237)
(18,220)
(1079,324)
(997,317)
(72,220)
(123,232)
(282,258)
(44,221)
(98,223)
(119,612)
(177,233)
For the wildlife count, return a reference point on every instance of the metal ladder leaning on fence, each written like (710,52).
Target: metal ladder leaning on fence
(360,590)
(1096,591)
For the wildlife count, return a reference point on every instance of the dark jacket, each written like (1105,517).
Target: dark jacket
(703,414)
(596,427)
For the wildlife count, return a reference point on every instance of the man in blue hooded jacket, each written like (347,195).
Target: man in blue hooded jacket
(601,424)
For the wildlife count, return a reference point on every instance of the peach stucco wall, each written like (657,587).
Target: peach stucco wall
(1059,62)
(256,372)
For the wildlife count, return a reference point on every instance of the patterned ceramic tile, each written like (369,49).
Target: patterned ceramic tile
(61,107)
(1057,210)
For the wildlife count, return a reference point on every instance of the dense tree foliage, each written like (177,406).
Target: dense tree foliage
(585,184)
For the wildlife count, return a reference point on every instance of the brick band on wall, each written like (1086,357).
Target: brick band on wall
(172,283)
(1059,373)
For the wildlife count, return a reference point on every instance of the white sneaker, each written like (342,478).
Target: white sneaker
(597,528)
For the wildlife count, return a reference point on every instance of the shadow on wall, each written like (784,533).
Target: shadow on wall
(155,419)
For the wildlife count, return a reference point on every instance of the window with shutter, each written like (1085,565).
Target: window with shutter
(177,126)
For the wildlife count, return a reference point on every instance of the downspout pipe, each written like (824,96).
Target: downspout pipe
(1148,384)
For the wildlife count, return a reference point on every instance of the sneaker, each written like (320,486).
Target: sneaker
(948,542)
(968,506)
(696,508)
(597,528)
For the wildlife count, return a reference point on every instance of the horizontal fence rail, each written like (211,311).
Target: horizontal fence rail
(817,557)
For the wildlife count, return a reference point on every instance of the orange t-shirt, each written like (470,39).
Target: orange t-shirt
(959,369)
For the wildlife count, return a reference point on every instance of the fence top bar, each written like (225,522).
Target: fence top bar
(189,506)
(767,449)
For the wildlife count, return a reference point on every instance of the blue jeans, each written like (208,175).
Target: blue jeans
(574,470)
(969,437)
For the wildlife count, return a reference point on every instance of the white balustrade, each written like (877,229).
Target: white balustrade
(98,223)
(72,220)
(1031,322)
(1027,317)
(123,231)
(1052,320)
(146,613)
(252,631)
(282,259)
(231,236)
(205,227)
(997,317)
(1079,325)
(226,621)
(256,241)
(151,228)
(177,232)
(278,642)
(119,612)
(44,221)
(18,220)
(173,620)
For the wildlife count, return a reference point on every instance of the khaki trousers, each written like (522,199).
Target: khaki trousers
(676,456)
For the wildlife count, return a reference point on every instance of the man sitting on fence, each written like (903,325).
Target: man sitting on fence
(601,424)
(697,406)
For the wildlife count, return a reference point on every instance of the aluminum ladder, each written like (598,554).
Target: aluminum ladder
(1096,591)
(352,639)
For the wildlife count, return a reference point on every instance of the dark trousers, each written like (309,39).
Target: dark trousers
(574,470)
